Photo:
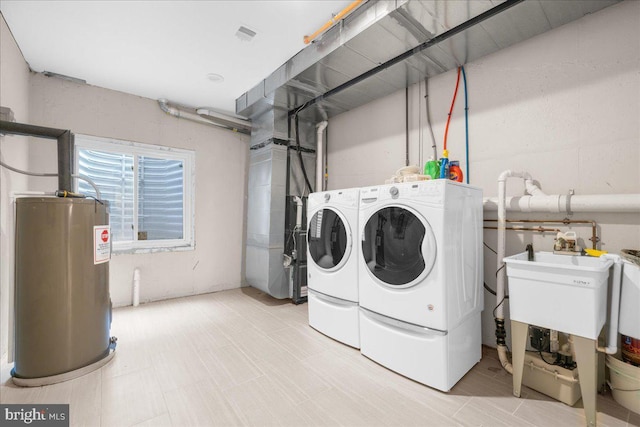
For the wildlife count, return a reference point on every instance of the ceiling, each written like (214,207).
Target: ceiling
(165,49)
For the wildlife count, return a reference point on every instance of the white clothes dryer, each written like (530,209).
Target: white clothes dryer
(420,279)
(332,268)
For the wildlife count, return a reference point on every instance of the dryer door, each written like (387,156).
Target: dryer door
(329,239)
(398,246)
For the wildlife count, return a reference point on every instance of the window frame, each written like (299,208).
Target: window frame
(136,149)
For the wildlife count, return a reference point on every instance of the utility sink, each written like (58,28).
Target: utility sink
(567,293)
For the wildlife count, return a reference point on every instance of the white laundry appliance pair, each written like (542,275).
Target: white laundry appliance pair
(332,267)
(420,279)
(396,270)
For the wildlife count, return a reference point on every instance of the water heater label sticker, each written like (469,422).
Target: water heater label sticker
(101,244)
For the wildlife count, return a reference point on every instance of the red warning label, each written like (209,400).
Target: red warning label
(101,244)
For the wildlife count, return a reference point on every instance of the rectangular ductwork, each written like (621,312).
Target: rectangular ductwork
(380,48)
(353,62)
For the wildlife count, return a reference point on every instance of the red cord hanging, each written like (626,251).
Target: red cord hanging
(453,102)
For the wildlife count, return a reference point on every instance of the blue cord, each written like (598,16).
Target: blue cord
(466,119)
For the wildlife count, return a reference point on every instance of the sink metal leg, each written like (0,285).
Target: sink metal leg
(519,332)
(586,358)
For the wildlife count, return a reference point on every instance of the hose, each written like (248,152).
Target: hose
(51,175)
(11,168)
(91,183)
(453,102)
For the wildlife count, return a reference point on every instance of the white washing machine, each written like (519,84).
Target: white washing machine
(332,268)
(420,279)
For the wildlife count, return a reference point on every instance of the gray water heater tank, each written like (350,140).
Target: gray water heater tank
(62,302)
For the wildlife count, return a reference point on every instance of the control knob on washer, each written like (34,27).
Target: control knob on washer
(327,196)
(394,192)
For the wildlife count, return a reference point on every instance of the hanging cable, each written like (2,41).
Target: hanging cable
(406,125)
(304,170)
(466,121)
(453,102)
(91,183)
(420,131)
(428,114)
(11,168)
(52,175)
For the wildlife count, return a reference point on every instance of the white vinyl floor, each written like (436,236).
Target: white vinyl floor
(239,357)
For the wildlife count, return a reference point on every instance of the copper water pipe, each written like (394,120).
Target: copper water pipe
(538,229)
(338,17)
(566,221)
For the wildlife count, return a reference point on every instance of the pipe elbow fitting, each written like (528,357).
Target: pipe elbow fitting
(504,175)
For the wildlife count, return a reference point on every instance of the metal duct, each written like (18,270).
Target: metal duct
(385,46)
(265,220)
(381,47)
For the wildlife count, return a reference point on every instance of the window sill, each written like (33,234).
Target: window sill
(127,249)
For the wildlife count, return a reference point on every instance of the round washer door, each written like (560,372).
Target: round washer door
(398,246)
(329,239)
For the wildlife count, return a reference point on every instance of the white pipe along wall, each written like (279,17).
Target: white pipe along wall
(542,106)
(538,201)
(320,154)
(612,203)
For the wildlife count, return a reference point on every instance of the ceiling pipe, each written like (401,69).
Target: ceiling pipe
(344,12)
(239,125)
(217,119)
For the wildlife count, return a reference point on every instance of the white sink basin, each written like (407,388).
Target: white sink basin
(567,293)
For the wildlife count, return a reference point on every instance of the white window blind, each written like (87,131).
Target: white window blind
(113,175)
(160,188)
(149,189)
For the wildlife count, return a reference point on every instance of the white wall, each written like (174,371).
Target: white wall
(564,106)
(221,176)
(217,262)
(14,93)
(221,170)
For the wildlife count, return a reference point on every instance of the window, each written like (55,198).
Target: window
(149,189)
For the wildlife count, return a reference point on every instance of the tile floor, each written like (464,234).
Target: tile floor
(241,358)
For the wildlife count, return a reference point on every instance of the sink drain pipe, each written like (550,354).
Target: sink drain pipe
(501,333)
(538,201)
